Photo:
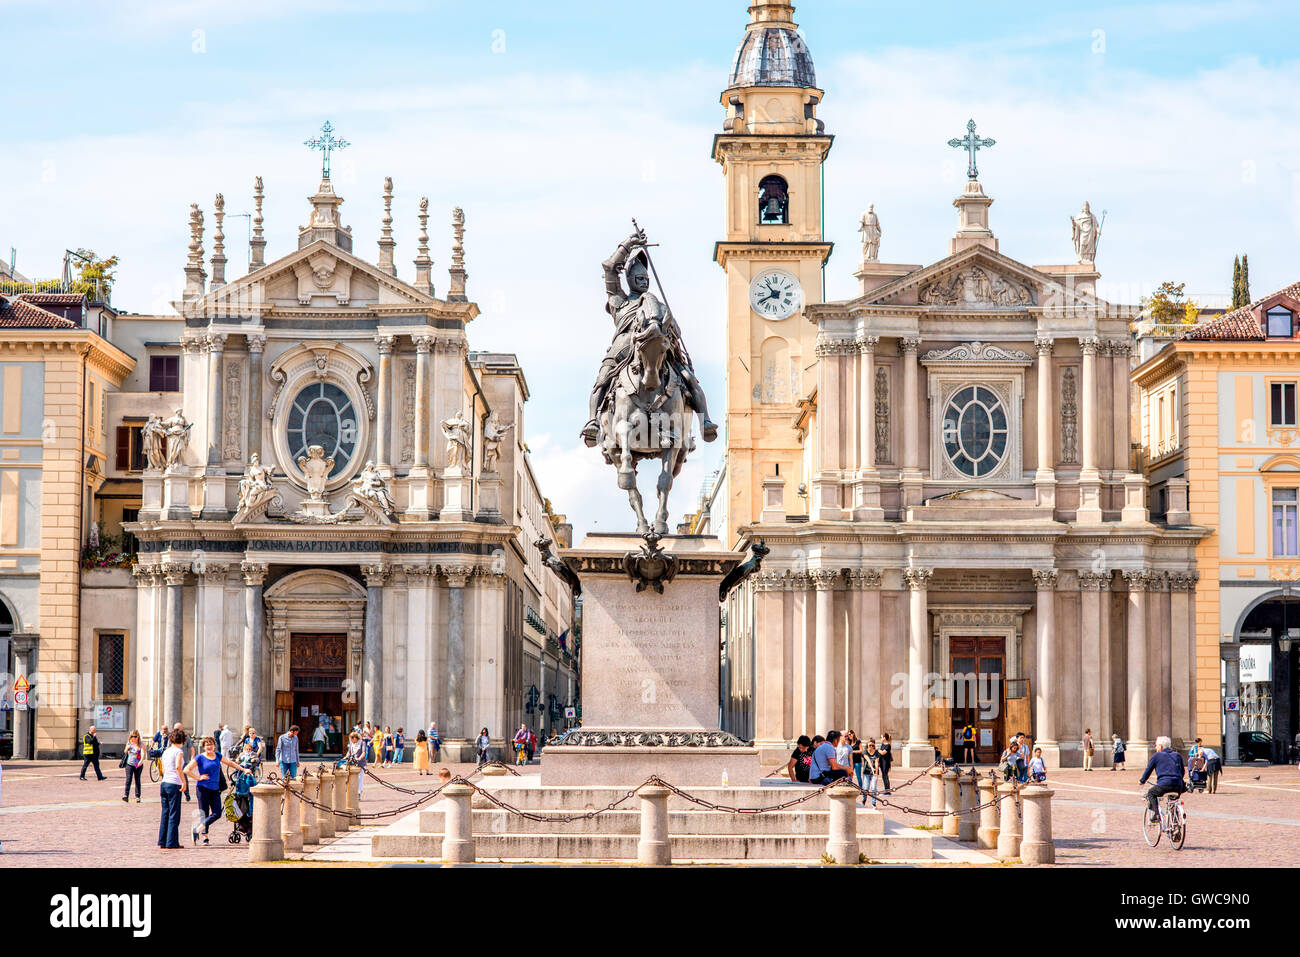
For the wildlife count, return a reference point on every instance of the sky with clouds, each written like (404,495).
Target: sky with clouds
(552,124)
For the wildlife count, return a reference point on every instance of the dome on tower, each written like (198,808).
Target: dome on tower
(772,53)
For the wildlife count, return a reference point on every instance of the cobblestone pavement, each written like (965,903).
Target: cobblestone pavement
(50,818)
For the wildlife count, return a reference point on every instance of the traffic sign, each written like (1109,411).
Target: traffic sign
(1231,704)
(21,684)
(20,697)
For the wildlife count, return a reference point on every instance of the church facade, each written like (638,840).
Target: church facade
(329,503)
(940,465)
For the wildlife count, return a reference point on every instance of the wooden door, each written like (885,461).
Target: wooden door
(978,666)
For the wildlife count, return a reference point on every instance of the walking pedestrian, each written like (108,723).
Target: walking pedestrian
(968,743)
(435,742)
(286,752)
(318,740)
(1116,751)
(377,746)
(90,753)
(886,750)
(1087,749)
(871,770)
(1213,768)
(209,783)
(483,743)
(388,746)
(227,741)
(357,756)
(173,773)
(399,746)
(133,761)
(421,754)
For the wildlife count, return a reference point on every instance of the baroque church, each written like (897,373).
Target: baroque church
(940,465)
(329,502)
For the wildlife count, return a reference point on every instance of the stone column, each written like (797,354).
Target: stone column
(209,643)
(1182,639)
(986,837)
(291,822)
(384,404)
(1008,825)
(324,818)
(824,685)
(256,346)
(1045,691)
(866,507)
(454,727)
(216,349)
(653,848)
(1089,510)
(842,841)
(1091,674)
(458,826)
(911,472)
(251,667)
(827,489)
(870,686)
(422,346)
(24,645)
(1119,351)
(267,843)
(1138,740)
(918,752)
(951,804)
(372,685)
(1045,474)
(1036,847)
(173,670)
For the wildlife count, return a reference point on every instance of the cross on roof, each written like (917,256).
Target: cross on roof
(971,144)
(326,143)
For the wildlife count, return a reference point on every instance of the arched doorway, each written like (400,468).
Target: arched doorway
(1269,633)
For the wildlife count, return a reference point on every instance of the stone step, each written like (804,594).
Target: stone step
(903,844)
(494,821)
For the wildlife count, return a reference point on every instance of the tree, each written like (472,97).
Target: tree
(1168,305)
(1245,280)
(1236,282)
(94,275)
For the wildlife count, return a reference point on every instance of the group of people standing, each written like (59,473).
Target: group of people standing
(823,760)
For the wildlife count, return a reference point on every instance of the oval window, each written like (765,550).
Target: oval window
(974,431)
(322,414)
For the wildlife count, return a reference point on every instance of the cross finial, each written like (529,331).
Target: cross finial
(971,143)
(326,143)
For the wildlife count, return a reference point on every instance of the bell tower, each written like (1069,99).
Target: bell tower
(771,150)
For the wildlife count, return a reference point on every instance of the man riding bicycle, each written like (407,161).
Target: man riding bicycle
(1168,767)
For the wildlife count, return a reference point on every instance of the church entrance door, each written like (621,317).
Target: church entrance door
(978,666)
(317,674)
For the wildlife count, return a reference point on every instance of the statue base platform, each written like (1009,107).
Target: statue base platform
(650,670)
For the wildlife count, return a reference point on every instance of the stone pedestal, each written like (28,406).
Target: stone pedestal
(419,493)
(310,825)
(936,790)
(951,804)
(176,496)
(986,836)
(653,848)
(313,509)
(842,840)
(1037,847)
(214,497)
(267,843)
(650,673)
(1089,511)
(1009,824)
(458,837)
(291,827)
(457,498)
(325,819)
(151,495)
(968,825)
(1135,500)
(489,497)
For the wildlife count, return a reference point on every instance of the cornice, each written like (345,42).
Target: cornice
(726,249)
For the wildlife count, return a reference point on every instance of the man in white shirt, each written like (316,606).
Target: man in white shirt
(227,740)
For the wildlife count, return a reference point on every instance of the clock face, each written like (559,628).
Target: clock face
(775,294)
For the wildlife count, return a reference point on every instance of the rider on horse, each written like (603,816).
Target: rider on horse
(627,308)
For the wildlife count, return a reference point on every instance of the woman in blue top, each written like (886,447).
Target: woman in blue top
(388,747)
(208,765)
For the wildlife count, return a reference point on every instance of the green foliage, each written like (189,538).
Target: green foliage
(95,276)
(1169,305)
(1245,280)
(1236,282)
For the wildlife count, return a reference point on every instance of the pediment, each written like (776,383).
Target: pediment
(320,274)
(977,278)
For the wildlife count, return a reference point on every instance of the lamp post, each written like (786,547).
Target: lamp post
(1230,652)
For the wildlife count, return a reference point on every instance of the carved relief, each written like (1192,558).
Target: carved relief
(408,412)
(977,288)
(882,416)
(1069,416)
(969,352)
(232,449)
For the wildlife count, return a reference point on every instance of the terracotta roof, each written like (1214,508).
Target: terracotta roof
(52,298)
(1239,323)
(18,314)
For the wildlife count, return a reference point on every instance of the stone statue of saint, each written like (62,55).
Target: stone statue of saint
(154,438)
(456,429)
(1086,231)
(177,430)
(869,227)
(632,308)
(370,485)
(493,433)
(256,480)
(316,469)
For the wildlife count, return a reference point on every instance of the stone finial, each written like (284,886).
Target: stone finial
(257,245)
(423,264)
(456,290)
(195,275)
(218,242)
(386,241)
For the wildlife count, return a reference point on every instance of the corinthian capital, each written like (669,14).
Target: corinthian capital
(174,572)
(254,573)
(375,575)
(1045,578)
(1137,579)
(824,578)
(457,575)
(918,579)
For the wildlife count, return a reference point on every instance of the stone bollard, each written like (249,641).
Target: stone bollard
(951,804)
(1037,846)
(325,819)
(936,791)
(842,840)
(987,835)
(653,848)
(310,822)
(354,793)
(968,824)
(291,828)
(1009,825)
(340,800)
(266,845)
(458,829)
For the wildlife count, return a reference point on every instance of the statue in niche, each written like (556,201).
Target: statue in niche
(456,430)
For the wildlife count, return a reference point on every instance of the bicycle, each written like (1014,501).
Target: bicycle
(521,754)
(155,770)
(1172,821)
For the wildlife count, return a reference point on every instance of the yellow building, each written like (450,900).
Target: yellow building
(1220,437)
(771,150)
(56,369)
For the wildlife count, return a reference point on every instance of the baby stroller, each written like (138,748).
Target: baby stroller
(1197,773)
(239,809)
